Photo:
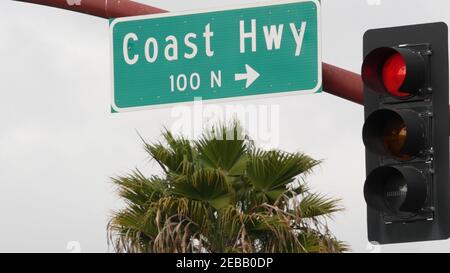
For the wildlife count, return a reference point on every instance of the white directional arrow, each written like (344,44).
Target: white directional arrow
(251,75)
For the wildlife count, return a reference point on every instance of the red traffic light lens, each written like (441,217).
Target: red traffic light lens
(398,72)
(394,75)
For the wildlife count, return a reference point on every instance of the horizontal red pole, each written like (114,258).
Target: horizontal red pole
(100,8)
(342,83)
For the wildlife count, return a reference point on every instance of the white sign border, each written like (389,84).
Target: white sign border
(218,100)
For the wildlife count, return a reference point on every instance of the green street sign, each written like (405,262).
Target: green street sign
(241,52)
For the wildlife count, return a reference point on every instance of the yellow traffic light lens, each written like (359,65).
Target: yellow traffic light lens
(399,134)
(394,137)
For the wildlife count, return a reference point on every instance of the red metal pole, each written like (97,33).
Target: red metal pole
(342,83)
(100,8)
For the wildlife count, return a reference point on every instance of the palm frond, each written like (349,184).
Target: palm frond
(136,189)
(208,185)
(271,171)
(223,147)
(170,154)
(131,230)
(315,205)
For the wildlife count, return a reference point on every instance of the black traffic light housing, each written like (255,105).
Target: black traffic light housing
(406,133)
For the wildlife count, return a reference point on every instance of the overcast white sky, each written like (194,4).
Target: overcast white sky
(59,144)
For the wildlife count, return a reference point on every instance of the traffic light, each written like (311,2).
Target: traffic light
(406,133)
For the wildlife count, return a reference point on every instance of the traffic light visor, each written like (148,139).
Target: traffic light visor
(399,72)
(396,133)
(395,190)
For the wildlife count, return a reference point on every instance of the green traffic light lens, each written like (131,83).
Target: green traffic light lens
(396,190)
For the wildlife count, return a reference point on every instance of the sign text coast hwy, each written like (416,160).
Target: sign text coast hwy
(239,52)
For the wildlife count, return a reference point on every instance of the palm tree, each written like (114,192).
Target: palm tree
(222,194)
